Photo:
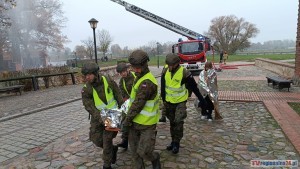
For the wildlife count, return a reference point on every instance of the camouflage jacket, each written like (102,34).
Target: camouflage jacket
(128,83)
(187,80)
(146,91)
(98,85)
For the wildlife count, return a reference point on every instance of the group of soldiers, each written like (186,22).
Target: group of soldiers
(141,88)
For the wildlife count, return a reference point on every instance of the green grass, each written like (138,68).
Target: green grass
(251,58)
(295,106)
(231,58)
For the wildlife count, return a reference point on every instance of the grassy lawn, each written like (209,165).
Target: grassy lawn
(251,58)
(231,58)
(295,106)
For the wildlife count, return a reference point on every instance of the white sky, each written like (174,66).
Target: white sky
(276,19)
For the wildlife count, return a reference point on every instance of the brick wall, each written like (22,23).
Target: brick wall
(281,68)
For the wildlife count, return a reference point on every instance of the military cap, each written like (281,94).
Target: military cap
(138,58)
(172,59)
(122,66)
(89,68)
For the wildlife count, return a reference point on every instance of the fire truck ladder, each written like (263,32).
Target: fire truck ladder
(161,21)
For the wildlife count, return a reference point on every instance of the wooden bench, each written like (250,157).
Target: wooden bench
(279,81)
(16,88)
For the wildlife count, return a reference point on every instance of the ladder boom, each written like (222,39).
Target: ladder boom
(161,21)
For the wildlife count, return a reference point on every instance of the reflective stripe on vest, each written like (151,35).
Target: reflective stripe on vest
(111,102)
(124,84)
(175,92)
(149,115)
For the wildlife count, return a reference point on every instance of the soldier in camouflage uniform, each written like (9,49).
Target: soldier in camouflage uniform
(143,115)
(100,92)
(175,83)
(126,81)
(125,85)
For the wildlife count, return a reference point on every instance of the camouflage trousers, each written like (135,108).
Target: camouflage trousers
(104,139)
(125,129)
(142,143)
(176,113)
(125,132)
(162,108)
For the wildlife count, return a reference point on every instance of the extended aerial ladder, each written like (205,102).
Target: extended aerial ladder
(161,21)
(195,56)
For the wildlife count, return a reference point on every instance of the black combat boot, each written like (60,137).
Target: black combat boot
(124,144)
(175,149)
(163,119)
(156,163)
(170,146)
(107,167)
(114,156)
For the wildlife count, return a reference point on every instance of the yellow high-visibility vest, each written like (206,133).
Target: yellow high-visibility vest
(175,92)
(111,102)
(149,115)
(124,84)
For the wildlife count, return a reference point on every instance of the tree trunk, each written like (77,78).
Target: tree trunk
(296,78)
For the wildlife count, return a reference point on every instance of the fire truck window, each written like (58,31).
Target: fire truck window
(191,48)
(200,47)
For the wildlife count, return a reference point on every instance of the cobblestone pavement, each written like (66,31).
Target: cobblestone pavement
(58,137)
(37,100)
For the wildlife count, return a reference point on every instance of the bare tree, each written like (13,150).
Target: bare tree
(7,4)
(167,47)
(126,51)
(50,22)
(231,33)
(37,27)
(150,48)
(5,23)
(296,78)
(80,51)
(104,40)
(116,50)
(89,45)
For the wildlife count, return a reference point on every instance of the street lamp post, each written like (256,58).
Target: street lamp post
(157,54)
(93,22)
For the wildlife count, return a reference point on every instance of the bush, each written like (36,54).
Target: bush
(54,80)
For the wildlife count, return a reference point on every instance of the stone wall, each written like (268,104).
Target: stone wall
(110,70)
(281,68)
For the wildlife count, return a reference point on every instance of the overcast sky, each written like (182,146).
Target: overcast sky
(276,19)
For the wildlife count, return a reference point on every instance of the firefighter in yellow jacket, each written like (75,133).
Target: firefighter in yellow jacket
(100,92)
(142,116)
(175,83)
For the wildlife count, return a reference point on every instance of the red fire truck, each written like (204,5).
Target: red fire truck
(192,52)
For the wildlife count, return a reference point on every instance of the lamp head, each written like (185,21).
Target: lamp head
(93,22)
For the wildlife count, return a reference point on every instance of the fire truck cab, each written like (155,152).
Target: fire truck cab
(192,54)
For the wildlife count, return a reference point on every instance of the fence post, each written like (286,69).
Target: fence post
(73,78)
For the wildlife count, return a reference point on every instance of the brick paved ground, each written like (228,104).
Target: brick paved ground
(258,124)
